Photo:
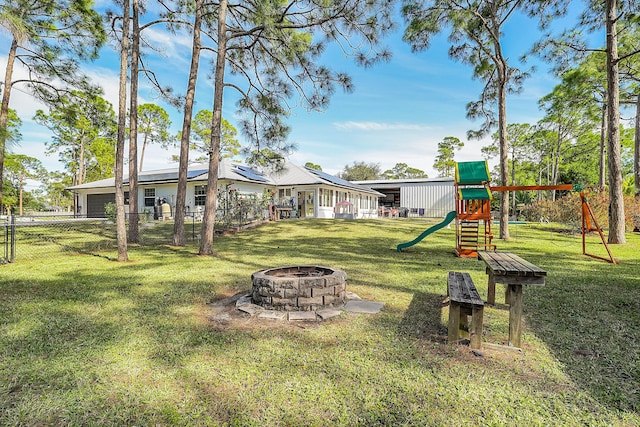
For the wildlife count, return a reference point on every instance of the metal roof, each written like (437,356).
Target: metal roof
(290,175)
(165,176)
(403,181)
(249,173)
(196,172)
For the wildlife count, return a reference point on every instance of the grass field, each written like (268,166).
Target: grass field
(85,340)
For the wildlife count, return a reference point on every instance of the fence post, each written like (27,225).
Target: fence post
(13,238)
(6,241)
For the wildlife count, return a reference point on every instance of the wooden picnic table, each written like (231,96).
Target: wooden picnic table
(283,212)
(511,270)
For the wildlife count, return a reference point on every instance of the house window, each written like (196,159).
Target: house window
(201,195)
(149,197)
(126,197)
(284,193)
(326,197)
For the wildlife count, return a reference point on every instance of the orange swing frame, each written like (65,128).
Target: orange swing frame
(588,218)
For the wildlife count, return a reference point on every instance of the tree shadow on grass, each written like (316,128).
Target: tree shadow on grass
(592,329)
(422,318)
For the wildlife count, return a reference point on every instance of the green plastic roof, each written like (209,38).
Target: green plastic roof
(472,172)
(475,193)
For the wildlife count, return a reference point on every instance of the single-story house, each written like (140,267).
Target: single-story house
(302,191)
(424,197)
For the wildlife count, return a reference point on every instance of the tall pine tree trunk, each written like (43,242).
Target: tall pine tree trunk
(555,170)
(145,141)
(208,222)
(21,184)
(504,150)
(81,161)
(636,151)
(134,235)
(616,200)
(178,225)
(603,148)
(513,181)
(4,110)
(121,227)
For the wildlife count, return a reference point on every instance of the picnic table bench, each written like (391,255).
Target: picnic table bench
(464,301)
(511,270)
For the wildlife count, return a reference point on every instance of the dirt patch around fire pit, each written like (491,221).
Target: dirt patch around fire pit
(239,312)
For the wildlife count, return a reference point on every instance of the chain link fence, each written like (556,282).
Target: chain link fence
(40,235)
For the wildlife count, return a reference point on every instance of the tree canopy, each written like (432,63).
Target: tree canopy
(445,163)
(361,171)
(403,171)
(47,38)
(153,124)
(312,165)
(19,168)
(201,137)
(83,128)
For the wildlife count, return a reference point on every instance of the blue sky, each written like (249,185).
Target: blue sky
(398,112)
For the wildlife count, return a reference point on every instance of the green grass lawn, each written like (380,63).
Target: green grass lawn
(85,340)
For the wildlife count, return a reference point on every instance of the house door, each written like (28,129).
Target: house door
(305,204)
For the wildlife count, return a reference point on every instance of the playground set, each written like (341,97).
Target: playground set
(473,212)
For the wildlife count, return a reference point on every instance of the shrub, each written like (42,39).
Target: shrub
(110,211)
(567,210)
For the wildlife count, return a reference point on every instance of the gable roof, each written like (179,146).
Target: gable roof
(293,174)
(227,170)
(290,175)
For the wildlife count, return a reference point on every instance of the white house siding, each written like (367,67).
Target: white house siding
(431,199)
(365,204)
(246,187)
(162,191)
(321,191)
(168,191)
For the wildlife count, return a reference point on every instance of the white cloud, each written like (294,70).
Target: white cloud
(416,148)
(176,46)
(108,80)
(21,100)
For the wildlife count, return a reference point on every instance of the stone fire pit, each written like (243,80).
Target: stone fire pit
(299,288)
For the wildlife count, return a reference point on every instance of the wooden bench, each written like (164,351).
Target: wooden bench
(464,301)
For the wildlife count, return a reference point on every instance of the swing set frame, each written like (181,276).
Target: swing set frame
(589,221)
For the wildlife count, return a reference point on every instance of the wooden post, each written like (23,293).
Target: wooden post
(491,288)
(465,312)
(586,208)
(515,315)
(454,323)
(475,332)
